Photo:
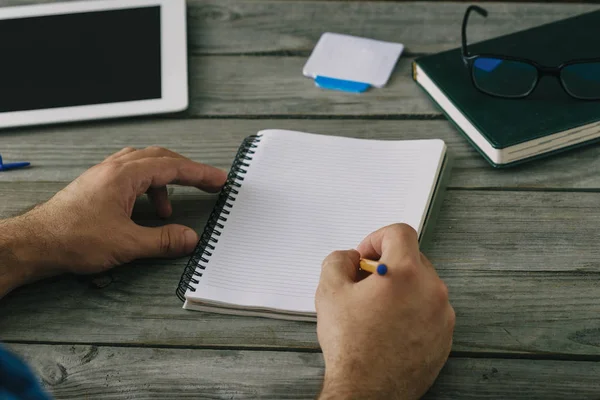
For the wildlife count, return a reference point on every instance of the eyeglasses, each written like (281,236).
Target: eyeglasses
(513,77)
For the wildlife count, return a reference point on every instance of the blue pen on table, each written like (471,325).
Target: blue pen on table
(9,166)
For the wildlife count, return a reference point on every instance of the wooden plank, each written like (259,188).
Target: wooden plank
(274,85)
(520,266)
(237,26)
(74,372)
(60,154)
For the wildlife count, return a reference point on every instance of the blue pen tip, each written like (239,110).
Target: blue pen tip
(382,269)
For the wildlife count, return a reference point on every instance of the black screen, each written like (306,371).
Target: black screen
(80,59)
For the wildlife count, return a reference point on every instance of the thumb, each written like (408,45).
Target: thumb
(340,267)
(169,241)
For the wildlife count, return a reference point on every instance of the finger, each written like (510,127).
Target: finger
(340,267)
(451,320)
(150,152)
(119,153)
(169,241)
(159,197)
(393,245)
(158,172)
(394,240)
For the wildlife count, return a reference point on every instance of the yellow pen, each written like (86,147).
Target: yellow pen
(373,266)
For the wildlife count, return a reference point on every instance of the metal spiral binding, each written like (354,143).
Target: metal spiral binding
(218,217)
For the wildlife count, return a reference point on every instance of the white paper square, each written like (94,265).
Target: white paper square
(353,58)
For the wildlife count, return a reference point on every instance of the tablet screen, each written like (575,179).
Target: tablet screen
(80,59)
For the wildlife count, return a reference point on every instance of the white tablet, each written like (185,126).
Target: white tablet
(75,61)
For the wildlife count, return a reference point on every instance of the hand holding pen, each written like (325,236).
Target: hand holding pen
(395,323)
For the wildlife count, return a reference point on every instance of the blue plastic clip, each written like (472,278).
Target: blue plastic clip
(340,84)
(17,165)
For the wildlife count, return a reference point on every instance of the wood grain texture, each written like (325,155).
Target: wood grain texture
(264,26)
(74,372)
(522,268)
(61,153)
(274,85)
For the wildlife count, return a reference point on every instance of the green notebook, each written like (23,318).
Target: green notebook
(508,131)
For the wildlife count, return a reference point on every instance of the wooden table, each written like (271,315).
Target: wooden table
(518,248)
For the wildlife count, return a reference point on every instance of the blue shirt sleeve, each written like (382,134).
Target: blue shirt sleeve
(17,382)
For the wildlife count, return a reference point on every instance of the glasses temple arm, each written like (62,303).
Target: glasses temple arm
(478,10)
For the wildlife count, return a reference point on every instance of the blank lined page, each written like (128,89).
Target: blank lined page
(304,196)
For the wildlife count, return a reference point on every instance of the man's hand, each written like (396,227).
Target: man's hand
(384,337)
(87,227)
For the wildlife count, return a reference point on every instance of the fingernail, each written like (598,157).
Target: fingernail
(191,239)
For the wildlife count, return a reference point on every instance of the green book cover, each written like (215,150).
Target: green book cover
(548,110)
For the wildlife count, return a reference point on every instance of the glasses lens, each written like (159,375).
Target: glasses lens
(503,77)
(582,80)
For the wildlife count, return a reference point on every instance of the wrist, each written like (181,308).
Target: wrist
(351,383)
(342,389)
(21,259)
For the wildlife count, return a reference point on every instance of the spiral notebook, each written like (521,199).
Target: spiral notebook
(292,198)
